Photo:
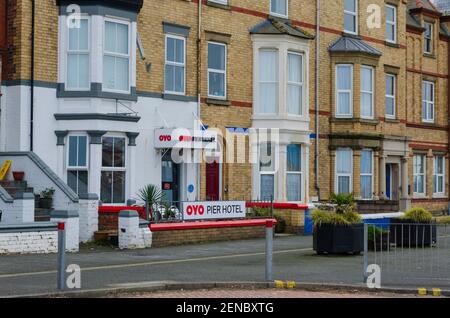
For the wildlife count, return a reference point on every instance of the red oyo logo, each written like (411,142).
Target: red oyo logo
(165,138)
(195,210)
(185,138)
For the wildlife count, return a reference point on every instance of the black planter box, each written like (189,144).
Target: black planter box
(379,243)
(338,239)
(406,233)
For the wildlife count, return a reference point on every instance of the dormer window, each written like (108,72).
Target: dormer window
(428,38)
(351,16)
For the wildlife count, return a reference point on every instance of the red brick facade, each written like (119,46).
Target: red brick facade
(3,44)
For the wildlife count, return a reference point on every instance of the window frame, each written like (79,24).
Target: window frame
(393,23)
(372,92)
(78,52)
(166,62)
(276,82)
(371,174)
(438,175)
(298,173)
(394,98)
(355,15)
(224,2)
(419,174)
(279,14)
(77,168)
(271,172)
(116,169)
(301,84)
(431,103)
(337,175)
(224,72)
(429,39)
(350,91)
(117,55)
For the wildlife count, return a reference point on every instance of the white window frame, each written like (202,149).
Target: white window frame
(337,175)
(393,97)
(271,173)
(425,115)
(276,82)
(437,175)
(299,84)
(77,168)
(79,52)
(418,174)
(116,169)
(372,72)
(166,62)
(119,55)
(355,15)
(224,2)
(224,72)
(350,114)
(300,173)
(279,14)
(368,174)
(426,39)
(392,23)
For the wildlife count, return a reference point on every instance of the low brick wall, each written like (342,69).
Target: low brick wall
(295,220)
(437,206)
(195,236)
(30,238)
(108,216)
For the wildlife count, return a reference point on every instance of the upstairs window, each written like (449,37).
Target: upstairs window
(428,38)
(175,65)
(78,56)
(419,174)
(390,96)
(439,175)
(391,23)
(428,101)
(268,81)
(217,70)
(367,84)
(279,8)
(77,165)
(116,57)
(295,83)
(344,90)
(294,173)
(351,16)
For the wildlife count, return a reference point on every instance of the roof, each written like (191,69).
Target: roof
(351,44)
(278,26)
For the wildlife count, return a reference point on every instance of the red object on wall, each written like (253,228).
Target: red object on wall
(212,181)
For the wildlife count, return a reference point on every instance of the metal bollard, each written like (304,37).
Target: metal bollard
(269,250)
(61,256)
(366,250)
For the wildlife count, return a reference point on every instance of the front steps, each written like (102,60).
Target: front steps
(377,206)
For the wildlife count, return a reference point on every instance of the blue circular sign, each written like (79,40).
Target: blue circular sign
(191,188)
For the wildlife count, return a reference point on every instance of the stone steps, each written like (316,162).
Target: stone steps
(379,206)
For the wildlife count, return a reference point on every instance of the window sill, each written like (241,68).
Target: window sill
(218,102)
(95,92)
(180,98)
(391,44)
(391,120)
(218,5)
(429,55)
(429,123)
(419,196)
(354,120)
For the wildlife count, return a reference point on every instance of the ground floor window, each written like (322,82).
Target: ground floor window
(113,174)
(366,174)
(344,163)
(419,174)
(77,164)
(438,174)
(267,171)
(294,173)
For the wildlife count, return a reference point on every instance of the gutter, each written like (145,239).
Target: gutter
(448,111)
(33,20)
(317,168)
(199,72)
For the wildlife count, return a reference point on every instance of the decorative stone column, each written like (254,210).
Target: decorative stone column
(281,189)
(95,162)
(131,164)
(357,173)
(61,142)
(88,216)
(305,174)
(382,176)
(405,201)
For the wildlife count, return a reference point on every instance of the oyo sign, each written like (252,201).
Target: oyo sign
(213,210)
(185,139)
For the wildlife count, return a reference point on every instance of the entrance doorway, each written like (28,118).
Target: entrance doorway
(213,181)
(392,181)
(170,179)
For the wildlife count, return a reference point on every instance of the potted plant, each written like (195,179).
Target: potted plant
(152,196)
(46,198)
(414,229)
(18,175)
(340,231)
(377,238)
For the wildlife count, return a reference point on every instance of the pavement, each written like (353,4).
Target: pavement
(235,261)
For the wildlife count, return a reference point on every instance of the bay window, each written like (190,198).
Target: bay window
(279,8)
(366,174)
(175,65)
(113,170)
(344,166)
(295,83)
(77,164)
(351,16)
(390,95)
(428,101)
(268,81)
(419,174)
(294,173)
(267,171)
(367,84)
(217,70)
(391,23)
(116,56)
(438,175)
(78,56)
(344,90)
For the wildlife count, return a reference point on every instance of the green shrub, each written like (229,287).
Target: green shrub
(352,217)
(374,232)
(324,217)
(443,220)
(419,215)
(280,227)
(261,212)
(344,202)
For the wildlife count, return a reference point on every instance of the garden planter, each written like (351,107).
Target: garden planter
(379,242)
(338,239)
(407,233)
(18,175)
(45,203)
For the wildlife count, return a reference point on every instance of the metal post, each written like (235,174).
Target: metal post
(269,250)
(61,256)
(366,248)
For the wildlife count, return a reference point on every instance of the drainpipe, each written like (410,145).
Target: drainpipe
(448,113)
(33,12)
(317,184)
(199,72)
